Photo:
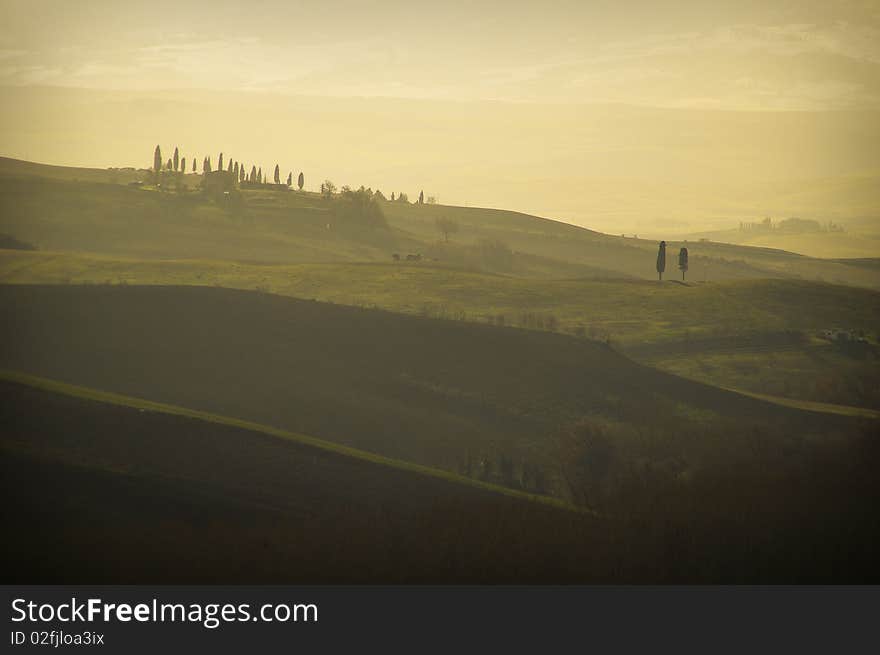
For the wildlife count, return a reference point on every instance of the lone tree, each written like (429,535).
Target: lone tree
(661,260)
(446,226)
(300,181)
(277,175)
(176,159)
(683,261)
(290,179)
(157,162)
(421,197)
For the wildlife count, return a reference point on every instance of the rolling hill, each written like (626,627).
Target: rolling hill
(499,368)
(55,208)
(761,336)
(453,395)
(140,492)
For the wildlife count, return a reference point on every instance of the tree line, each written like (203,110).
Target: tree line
(255,177)
(235,169)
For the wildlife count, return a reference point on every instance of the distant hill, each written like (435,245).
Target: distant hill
(56,208)
(866,262)
(611,167)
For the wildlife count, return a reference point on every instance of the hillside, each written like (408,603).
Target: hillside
(138,492)
(631,312)
(762,336)
(858,240)
(145,496)
(480,400)
(100,213)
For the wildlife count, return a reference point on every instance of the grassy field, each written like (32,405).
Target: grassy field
(629,311)
(815,372)
(754,335)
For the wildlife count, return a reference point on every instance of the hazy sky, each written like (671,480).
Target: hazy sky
(502,104)
(742,54)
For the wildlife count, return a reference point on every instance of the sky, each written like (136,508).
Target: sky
(620,115)
(729,55)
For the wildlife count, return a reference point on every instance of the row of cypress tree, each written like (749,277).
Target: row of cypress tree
(236,169)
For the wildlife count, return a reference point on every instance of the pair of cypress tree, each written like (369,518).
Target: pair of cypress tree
(661,261)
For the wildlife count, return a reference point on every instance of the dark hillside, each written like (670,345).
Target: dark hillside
(106,493)
(425,390)
(103,493)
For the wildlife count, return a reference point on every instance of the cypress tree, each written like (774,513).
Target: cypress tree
(220,162)
(290,179)
(277,175)
(661,260)
(300,181)
(176,159)
(253,177)
(157,162)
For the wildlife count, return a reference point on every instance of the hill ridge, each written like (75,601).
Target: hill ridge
(112,398)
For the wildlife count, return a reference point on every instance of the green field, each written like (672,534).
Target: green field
(754,335)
